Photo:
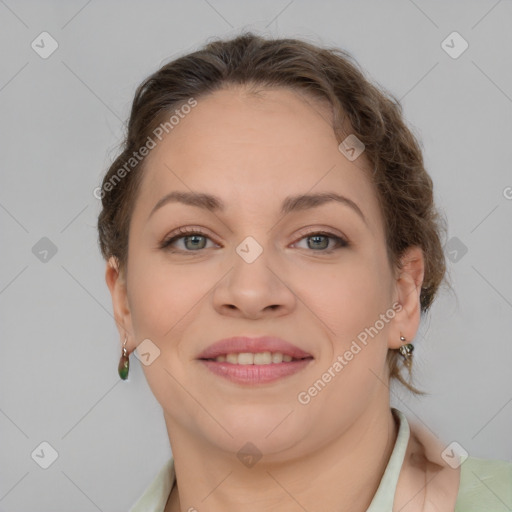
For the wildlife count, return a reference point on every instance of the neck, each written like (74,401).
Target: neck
(343,475)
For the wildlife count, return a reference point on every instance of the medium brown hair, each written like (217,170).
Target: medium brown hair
(403,186)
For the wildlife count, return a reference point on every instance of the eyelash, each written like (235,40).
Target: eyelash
(185,232)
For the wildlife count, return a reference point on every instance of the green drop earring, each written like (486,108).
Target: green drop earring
(406,352)
(124,362)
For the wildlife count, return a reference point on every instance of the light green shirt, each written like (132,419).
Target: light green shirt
(485,484)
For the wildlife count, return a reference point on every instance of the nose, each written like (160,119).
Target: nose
(254,289)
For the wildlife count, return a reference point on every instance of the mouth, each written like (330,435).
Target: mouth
(244,347)
(253,373)
(252,361)
(257,358)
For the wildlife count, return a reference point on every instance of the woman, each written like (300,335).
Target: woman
(271,245)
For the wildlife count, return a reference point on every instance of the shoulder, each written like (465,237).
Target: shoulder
(485,484)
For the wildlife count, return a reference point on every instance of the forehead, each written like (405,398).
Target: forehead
(254,149)
(265,118)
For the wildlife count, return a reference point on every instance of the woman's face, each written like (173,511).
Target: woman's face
(258,270)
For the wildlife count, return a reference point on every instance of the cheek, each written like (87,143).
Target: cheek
(348,296)
(353,301)
(162,295)
(162,300)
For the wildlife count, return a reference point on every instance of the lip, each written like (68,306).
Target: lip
(239,344)
(253,374)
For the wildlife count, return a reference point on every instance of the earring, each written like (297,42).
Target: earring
(124,362)
(406,352)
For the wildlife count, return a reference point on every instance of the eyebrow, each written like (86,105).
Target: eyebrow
(290,204)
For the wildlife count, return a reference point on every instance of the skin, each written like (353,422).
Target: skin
(253,151)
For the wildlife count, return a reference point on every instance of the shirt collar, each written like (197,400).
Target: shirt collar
(385,495)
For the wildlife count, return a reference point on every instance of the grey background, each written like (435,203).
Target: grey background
(61,121)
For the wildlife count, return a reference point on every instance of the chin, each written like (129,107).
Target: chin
(272,431)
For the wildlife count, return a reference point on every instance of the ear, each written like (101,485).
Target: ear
(408,290)
(116,283)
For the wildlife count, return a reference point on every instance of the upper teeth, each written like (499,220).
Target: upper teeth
(257,358)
